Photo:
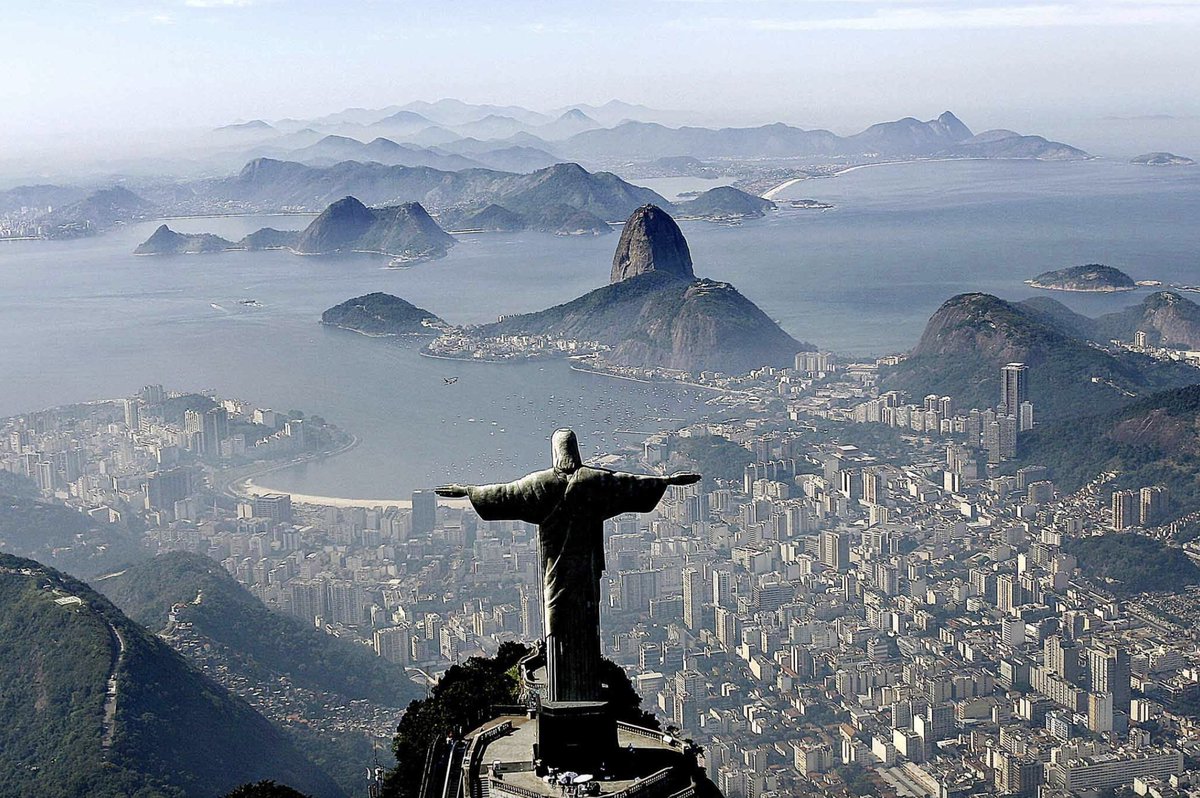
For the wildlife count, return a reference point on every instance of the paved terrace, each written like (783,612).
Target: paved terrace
(514,751)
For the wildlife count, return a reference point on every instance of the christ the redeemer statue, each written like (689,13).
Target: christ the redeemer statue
(570,502)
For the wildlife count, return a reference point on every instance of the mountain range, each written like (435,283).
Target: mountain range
(270,184)
(621,133)
(96,705)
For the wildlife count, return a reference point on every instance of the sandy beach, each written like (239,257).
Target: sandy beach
(249,488)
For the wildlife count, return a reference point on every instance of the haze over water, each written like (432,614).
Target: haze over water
(86,319)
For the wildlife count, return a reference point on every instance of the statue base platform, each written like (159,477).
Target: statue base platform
(579,735)
(499,760)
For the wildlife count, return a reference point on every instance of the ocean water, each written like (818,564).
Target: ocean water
(86,319)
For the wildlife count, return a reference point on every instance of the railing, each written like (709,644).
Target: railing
(649,734)
(432,755)
(470,762)
(504,788)
(687,792)
(653,780)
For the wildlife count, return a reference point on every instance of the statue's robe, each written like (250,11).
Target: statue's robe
(570,510)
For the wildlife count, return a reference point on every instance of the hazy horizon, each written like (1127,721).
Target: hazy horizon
(90,81)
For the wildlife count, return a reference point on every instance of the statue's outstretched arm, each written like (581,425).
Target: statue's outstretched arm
(528,499)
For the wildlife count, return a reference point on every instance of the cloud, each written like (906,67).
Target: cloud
(162,19)
(903,15)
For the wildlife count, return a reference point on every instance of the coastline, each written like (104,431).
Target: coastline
(1104,290)
(252,488)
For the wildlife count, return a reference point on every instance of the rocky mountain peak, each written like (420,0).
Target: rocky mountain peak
(651,241)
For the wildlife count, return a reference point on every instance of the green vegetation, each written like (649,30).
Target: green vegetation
(1091,277)
(265,789)
(16,485)
(381,314)
(1155,441)
(55,664)
(60,536)
(972,335)
(257,640)
(658,319)
(458,703)
(464,699)
(1128,564)
(715,456)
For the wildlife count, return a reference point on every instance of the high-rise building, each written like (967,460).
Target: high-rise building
(1100,712)
(424,512)
(722,589)
(728,628)
(206,431)
(1153,505)
(835,549)
(1110,668)
(1124,509)
(132,413)
(1014,388)
(164,488)
(693,599)
(394,644)
(1000,439)
(874,486)
(1062,658)
(636,589)
(276,506)
(1025,417)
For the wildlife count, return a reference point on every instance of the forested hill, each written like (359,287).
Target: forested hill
(95,705)
(256,639)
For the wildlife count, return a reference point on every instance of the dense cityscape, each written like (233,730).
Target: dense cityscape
(898,617)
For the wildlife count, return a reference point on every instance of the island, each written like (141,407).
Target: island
(1162,159)
(1090,278)
(404,232)
(380,314)
(653,314)
(811,205)
(724,202)
(165,241)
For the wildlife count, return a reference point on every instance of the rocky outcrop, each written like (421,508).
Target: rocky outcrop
(347,225)
(651,241)
(165,241)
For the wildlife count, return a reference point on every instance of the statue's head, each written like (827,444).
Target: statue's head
(565,450)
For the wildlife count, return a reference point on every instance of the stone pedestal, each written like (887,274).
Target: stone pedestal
(576,735)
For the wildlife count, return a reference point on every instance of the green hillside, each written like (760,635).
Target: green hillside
(165,730)
(258,640)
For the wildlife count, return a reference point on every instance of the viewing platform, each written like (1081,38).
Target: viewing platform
(499,762)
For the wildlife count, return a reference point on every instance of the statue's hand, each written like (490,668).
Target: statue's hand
(684,478)
(451,491)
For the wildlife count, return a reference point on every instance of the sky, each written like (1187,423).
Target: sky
(95,71)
